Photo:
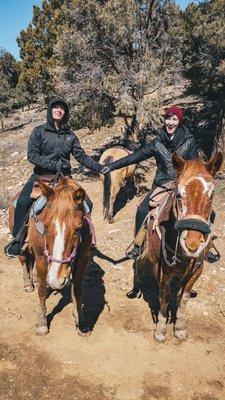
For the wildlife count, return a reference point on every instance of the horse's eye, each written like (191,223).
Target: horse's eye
(78,229)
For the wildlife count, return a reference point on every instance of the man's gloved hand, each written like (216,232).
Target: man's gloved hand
(63,166)
(59,166)
(105,170)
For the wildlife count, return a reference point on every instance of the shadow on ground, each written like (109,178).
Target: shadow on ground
(93,296)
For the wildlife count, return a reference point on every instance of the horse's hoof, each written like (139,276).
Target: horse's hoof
(83,333)
(83,329)
(111,220)
(180,334)
(159,337)
(133,294)
(41,330)
(28,288)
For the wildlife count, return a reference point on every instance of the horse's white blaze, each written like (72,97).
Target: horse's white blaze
(181,190)
(182,193)
(209,187)
(57,253)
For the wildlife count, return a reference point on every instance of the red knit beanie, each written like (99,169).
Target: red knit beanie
(176,111)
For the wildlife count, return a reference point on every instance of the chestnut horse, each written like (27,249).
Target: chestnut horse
(58,251)
(177,248)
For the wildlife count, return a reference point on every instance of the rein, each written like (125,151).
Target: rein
(165,247)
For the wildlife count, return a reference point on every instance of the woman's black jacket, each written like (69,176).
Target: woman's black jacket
(162,149)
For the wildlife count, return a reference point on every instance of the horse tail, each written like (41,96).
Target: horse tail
(107,188)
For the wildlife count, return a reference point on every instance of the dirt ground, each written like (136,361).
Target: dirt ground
(120,360)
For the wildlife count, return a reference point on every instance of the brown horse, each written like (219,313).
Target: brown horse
(58,251)
(177,247)
(113,181)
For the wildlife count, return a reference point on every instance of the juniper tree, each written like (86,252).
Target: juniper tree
(113,53)
(36,48)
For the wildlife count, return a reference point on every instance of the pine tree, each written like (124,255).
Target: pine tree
(204,49)
(9,74)
(204,58)
(36,48)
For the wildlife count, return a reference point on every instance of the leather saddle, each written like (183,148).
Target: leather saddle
(158,201)
(36,191)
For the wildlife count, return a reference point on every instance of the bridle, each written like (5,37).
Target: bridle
(43,230)
(64,260)
(190,221)
(186,221)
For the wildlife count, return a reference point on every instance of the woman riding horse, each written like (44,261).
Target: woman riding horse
(49,148)
(173,137)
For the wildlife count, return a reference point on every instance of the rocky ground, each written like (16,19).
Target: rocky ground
(120,360)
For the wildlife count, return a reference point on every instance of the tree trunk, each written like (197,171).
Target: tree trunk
(219,141)
(2,124)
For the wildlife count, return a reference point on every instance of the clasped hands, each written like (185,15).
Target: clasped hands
(105,169)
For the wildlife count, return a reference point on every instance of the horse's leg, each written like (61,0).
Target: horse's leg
(164,295)
(34,276)
(113,193)
(130,186)
(41,325)
(180,331)
(77,293)
(26,268)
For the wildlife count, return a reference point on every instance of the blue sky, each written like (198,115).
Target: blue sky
(16,15)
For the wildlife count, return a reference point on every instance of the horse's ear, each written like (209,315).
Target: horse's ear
(214,164)
(47,190)
(79,196)
(178,163)
(62,180)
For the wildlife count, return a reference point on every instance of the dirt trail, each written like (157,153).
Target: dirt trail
(120,360)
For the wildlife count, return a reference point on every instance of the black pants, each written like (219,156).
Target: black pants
(142,211)
(24,203)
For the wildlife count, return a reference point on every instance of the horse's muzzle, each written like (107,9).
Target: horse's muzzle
(59,284)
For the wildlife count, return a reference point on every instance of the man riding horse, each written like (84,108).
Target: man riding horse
(173,137)
(49,148)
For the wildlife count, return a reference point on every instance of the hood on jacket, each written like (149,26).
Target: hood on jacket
(64,122)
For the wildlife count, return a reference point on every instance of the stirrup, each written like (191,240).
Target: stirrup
(211,257)
(134,293)
(9,246)
(135,253)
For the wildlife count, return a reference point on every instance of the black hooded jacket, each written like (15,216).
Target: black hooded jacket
(50,149)
(162,149)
